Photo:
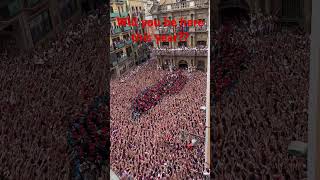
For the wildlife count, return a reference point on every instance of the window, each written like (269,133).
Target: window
(165,44)
(182,44)
(201,65)
(201,43)
(40,26)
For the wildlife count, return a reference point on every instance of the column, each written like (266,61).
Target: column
(314,97)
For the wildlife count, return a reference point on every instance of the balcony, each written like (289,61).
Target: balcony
(124,14)
(182,29)
(114,15)
(135,45)
(120,44)
(201,28)
(116,31)
(135,14)
(114,63)
(184,5)
(129,42)
(127,28)
(181,52)
(121,59)
(164,30)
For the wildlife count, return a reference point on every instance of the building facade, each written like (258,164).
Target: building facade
(148,16)
(296,12)
(27,23)
(125,53)
(192,52)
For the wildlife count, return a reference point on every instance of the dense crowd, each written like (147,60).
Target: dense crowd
(267,107)
(88,139)
(151,96)
(41,93)
(168,140)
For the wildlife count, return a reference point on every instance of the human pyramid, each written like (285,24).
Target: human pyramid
(151,96)
(88,137)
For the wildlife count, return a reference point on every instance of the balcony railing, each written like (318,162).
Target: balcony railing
(114,63)
(114,14)
(116,31)
(124,14)
(135,45)
(182,29)
(181,52)
(127,28)
(184,5)
(121,59)
(164,30)
(201,28)
(129,42)
(135,14)
(120,45)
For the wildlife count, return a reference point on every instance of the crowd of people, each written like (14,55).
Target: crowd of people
(267,108)
(229,60)
(42,91)
(88,139)
(158,146)
(151,96)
